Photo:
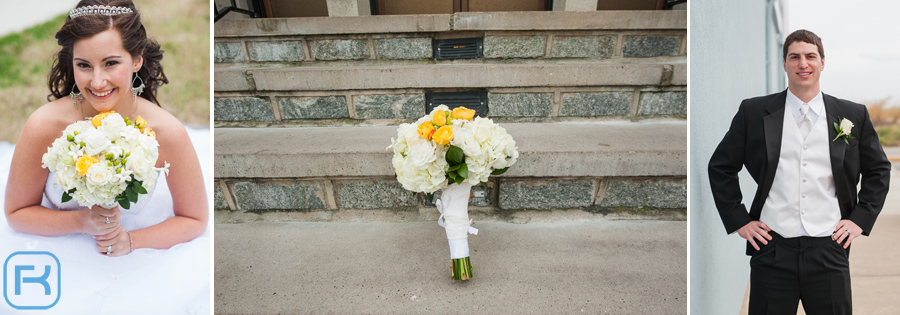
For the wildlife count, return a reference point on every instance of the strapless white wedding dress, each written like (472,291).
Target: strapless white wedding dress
(147,281)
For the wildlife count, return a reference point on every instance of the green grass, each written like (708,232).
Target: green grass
(20,69)
(26,57)
(889,135)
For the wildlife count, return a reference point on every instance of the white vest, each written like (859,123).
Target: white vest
(802,201)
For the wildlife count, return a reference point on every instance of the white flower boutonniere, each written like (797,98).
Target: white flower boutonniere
(843,130)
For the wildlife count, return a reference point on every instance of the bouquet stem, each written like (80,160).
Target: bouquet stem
(460,269)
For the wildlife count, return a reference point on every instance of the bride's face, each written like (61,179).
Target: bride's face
(103,71)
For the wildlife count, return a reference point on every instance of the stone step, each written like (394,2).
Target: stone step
(443,76)
(560,149)
(464,21)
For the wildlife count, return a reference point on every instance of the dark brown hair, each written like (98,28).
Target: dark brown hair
(134,38)
(803,36)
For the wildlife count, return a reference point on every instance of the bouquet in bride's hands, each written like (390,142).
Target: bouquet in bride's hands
(105,161)
(451,151)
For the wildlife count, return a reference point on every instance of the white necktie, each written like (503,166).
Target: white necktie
(806,123)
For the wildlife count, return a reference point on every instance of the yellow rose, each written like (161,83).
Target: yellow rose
(149,131)
(99,118)
(426,129)
(140,122)
(443,135)
(440,118)
(463,113)
(84,163)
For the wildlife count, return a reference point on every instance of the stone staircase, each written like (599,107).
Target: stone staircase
(596,101)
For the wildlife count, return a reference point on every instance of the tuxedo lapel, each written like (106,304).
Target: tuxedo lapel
(773,126)
(836,148)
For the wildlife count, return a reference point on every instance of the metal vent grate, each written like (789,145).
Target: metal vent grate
(458,48)
(471,100)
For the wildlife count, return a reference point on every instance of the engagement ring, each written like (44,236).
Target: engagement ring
(109,250)
(107,220)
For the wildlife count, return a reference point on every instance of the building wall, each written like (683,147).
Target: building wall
(727,64)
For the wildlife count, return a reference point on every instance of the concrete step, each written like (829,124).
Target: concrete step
(580,149)
(448,76)
(465,21)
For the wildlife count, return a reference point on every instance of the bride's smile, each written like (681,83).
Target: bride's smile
(103,69)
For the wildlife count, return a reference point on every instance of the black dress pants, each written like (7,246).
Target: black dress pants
(814,270)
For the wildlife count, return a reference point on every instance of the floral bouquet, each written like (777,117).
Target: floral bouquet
(105,161)
(450,151)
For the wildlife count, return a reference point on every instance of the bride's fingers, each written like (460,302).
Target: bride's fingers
(109,236)
(104,243)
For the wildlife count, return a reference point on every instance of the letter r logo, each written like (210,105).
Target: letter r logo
(31,280)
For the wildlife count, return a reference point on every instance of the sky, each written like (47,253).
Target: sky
(862,45)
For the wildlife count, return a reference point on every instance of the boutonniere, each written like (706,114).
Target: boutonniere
(843,130)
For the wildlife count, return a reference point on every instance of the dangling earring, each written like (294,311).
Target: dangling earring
(135,90)
(76,97)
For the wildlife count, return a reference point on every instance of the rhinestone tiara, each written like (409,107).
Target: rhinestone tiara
(98,10)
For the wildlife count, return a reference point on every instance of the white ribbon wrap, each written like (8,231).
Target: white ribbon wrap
(454,218)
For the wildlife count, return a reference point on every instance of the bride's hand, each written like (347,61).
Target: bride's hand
(102,221)
(117,240)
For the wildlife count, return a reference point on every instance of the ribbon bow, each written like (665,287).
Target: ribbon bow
(452,218)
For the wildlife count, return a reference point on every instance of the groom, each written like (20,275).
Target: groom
(807,161)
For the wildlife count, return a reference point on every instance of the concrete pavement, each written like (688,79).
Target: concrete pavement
(569,267)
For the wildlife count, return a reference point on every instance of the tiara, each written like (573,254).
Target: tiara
(98,10)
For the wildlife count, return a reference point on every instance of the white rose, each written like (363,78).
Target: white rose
(139,163)
(95,141)
(421,153)
(99,174)
(112,126)
(846,125)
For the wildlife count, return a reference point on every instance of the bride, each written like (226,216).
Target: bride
(147,259)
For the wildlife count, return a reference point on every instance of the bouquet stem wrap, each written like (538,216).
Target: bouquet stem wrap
(454,208)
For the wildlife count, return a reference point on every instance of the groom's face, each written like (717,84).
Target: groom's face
(803,65)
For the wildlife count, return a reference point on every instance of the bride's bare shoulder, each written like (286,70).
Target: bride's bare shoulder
(48,121)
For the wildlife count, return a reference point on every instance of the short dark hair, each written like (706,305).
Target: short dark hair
(803,36)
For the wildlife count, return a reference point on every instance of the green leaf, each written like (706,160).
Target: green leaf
(124,203)
(452,175)
(132,196)
(71,191)
(847,142)
(463,171)
(455,155)
(459,180)
(135,185)
(142,190)
(454,167)
(430,197)
(66,197)
(500,171)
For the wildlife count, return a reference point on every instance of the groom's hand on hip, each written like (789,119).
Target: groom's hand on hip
(846,229)
(755,230)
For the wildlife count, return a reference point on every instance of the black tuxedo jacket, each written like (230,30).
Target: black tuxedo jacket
(754,141)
